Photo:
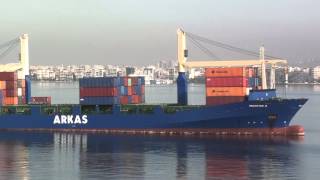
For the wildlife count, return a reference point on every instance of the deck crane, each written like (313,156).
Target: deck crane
(22,67)
(183,64)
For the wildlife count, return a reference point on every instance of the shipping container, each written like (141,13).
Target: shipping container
(11,85)
(19,92)
(134,81)
(1,97)
(10,100)
(125,81)
(11,92)
(123,90)
(8,76)
(99,100)
(2,84)
(226,91)
(124,100)
(129,82)
(220,100)
(137,90)
(142,99)
(129,90)
(23,92)
(226,82)
(40,100)
(135,99)
(98,91)
(99,82)
(225,72)
(21,83)
(141,81)
(130,99)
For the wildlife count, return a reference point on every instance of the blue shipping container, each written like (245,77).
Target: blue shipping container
(141,81)
(99,82)
(129,99)
(137,90)
(99,100)
(123,90)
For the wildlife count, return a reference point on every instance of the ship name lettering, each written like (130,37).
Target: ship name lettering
(70,119)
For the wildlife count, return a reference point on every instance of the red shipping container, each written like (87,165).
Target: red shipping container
(93,92)
(142,89)
(11,84)
(226,91)
(10,100)
(40,100)
(125,81)
(124,100)
(8,76)
(135,99)
(226,82)
(225,72)
(11,92)
(130,92)
(134,81)
(220,100)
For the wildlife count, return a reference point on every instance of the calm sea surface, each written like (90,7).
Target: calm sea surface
(88,156)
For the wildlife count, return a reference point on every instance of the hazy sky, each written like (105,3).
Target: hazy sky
(140,32)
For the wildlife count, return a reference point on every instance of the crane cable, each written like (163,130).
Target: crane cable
(227,46)
(203,49)
(10,46)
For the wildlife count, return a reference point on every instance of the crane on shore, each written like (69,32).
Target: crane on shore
(183,64)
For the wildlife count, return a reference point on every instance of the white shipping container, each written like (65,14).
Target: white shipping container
(19,91)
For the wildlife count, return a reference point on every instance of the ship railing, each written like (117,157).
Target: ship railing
(23,110)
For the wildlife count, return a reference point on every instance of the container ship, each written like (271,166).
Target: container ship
(238,102)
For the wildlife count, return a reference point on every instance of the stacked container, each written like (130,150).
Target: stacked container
(131,90)
(253,79)
(111,90)
(13,89)
(226,85)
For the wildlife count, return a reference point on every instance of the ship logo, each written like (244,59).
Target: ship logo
(70,119)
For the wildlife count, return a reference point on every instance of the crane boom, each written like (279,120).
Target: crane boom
(229,63)
(23,66)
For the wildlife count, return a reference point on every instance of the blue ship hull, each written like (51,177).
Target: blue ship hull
(267,114)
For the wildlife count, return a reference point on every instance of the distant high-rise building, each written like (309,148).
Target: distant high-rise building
(315,73)
(130,70)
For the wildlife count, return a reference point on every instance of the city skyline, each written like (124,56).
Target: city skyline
(144,32)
